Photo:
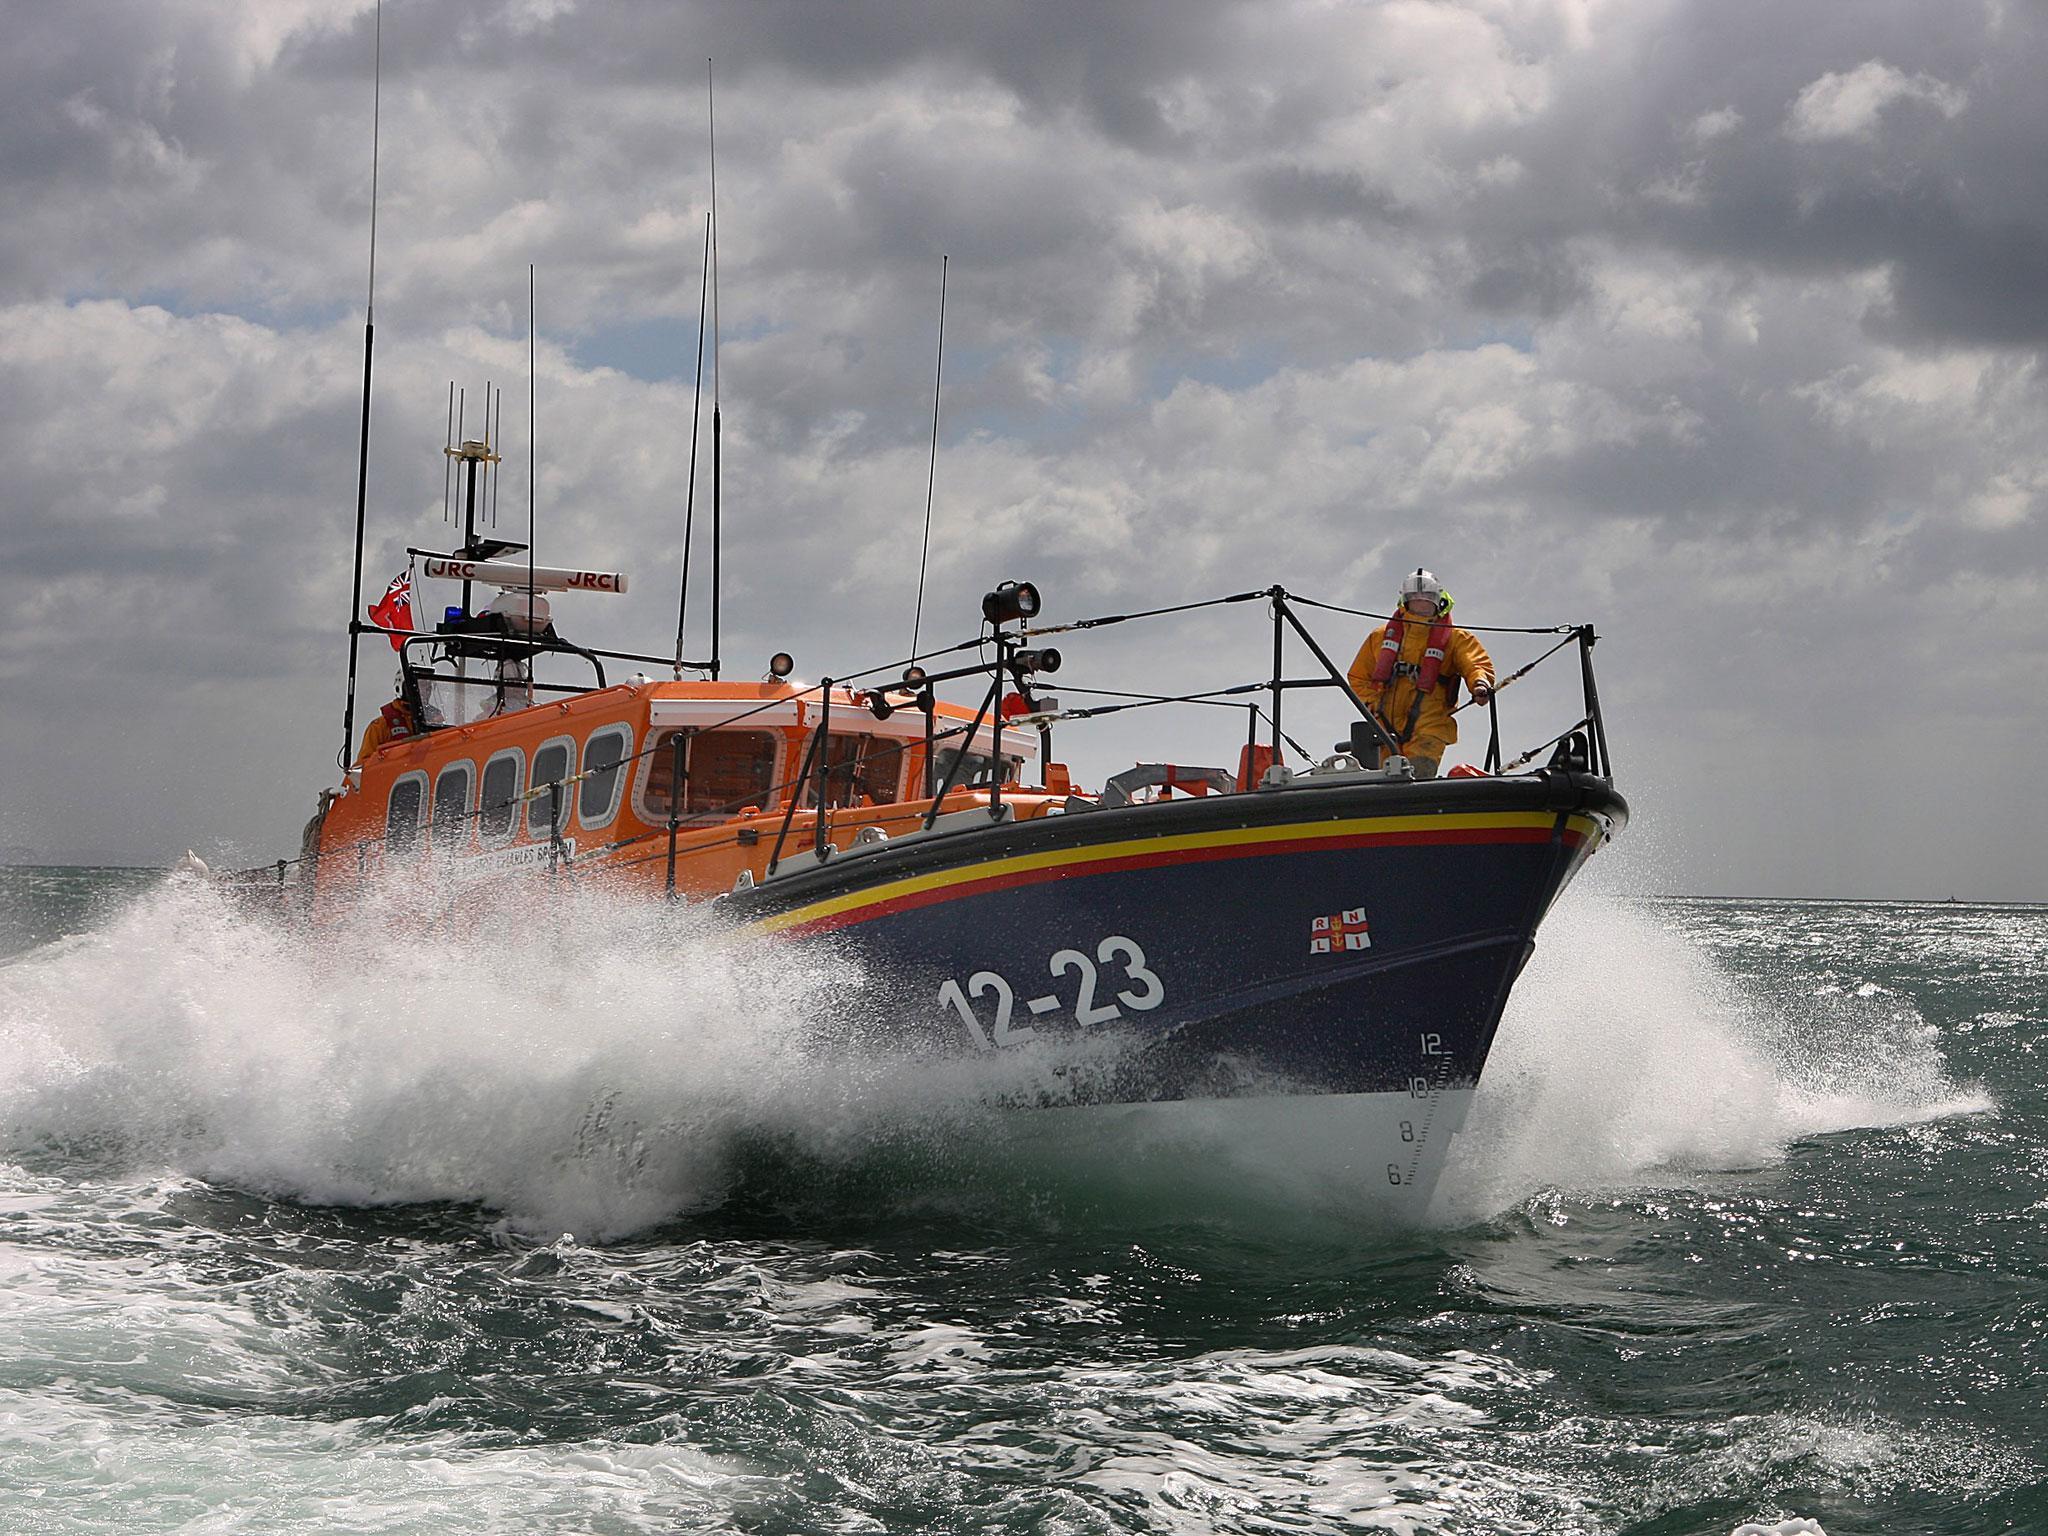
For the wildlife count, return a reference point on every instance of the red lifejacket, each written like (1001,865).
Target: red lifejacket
(1385,664)
(398,716)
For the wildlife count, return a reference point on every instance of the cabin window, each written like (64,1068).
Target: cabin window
(597,798)
(724,772)
(402,818)
(498,809)
(450,817)
(978,771)
(550,766)
(862,770)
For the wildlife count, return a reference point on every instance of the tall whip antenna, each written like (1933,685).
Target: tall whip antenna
(531,493)
(717,527)
(931,476)
(490,443)
(696,407)
(447,453)
(498,469)
(355,605)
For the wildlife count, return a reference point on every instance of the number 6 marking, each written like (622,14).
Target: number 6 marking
(1153,993)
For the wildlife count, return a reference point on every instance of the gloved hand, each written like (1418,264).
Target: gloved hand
(1481,692)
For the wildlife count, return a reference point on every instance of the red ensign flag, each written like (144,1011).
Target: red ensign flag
(394,610)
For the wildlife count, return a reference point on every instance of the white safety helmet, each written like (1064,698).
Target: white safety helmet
(1420,583)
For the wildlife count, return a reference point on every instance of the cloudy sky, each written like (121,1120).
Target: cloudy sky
(1717,323)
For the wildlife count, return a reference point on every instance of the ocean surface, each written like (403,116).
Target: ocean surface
(553,1221)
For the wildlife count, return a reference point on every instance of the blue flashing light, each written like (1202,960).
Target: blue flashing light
(454,613)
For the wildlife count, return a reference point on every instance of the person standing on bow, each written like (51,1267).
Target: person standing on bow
(1409,669)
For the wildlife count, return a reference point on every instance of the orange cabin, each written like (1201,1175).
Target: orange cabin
(590,783)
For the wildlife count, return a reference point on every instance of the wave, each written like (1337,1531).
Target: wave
(1630,1054)
(597,1064)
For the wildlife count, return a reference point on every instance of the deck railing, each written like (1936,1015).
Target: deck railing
(1581,747)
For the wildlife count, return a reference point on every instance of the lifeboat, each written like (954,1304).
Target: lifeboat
(1339,935)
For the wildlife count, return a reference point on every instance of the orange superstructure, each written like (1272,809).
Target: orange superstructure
(589,784)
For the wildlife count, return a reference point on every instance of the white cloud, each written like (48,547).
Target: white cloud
(1717,124)
(1849,105)
(1497,287)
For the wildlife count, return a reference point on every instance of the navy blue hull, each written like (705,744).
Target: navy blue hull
(1354,938)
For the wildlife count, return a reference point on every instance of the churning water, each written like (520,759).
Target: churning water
(1748,1223)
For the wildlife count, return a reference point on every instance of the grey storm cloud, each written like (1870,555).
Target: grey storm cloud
(1718,322)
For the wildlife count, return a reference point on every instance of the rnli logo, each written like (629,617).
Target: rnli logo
(1337,935)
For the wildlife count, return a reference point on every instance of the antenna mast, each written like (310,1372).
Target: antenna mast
(355,606)
(696,406)
(717,530)
(530,491)
(448,464)
(494,425)
(932,470)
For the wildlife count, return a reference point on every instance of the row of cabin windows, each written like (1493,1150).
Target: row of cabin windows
(727,772)
(596,797)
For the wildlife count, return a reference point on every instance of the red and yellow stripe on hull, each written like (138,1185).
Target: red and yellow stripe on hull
(888,897)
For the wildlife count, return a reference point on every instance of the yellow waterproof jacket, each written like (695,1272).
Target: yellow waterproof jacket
(383,729)
(375,735)
(1465,659)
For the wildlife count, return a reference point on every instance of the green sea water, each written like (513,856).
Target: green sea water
(499,1228)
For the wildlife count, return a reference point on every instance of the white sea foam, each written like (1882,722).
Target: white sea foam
(1628,1053)
(120,1463)
(589,1064)
(593,1064)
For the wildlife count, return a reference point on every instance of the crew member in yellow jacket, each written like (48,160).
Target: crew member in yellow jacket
(1408,672)
(396,721)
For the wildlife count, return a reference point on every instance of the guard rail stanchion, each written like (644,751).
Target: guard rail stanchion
(995,732)
(988,703)
(675,803)
(1279,597)
(821,794)
(795,792)
(1387,743)
(928,703)
(1598,732)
